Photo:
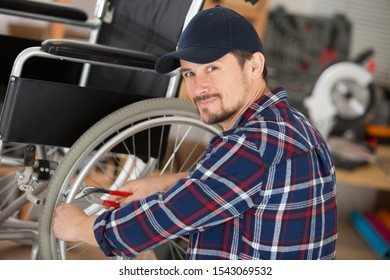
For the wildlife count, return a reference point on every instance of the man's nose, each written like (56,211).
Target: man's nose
(201,85)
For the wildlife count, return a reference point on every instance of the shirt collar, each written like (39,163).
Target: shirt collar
(266,100)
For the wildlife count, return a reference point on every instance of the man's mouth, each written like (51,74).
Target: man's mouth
(206,99)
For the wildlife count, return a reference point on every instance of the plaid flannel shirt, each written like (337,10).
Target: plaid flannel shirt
(265,189)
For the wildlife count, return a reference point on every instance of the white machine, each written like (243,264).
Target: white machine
(343,96)
(342,92)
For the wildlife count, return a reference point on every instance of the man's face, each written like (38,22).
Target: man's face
(218,89)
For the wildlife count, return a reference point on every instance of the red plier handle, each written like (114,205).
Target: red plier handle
(89,193)
(115,204)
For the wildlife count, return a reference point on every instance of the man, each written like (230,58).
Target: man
(265,188)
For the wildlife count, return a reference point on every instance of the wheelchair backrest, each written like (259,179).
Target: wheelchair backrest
(143,25)
(54,113)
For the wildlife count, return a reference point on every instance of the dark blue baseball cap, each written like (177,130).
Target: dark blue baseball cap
(211,34)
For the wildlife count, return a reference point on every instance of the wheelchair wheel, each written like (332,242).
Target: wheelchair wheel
(151,137)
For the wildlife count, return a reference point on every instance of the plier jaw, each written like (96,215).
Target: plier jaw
(91,195)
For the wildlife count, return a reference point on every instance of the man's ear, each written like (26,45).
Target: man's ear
(257,62)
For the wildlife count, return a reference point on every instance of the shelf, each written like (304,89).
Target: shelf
(369,176)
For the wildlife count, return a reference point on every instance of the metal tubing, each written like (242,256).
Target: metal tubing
(37,52)
(11,161)
(19,202)
(23,235)
(14,223)
(90,23)
(19,162)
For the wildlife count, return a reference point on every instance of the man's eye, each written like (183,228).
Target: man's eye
(211,68)
(188,74)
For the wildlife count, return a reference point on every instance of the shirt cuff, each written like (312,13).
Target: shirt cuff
(99,228)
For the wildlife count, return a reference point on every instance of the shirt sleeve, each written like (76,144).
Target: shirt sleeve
(223,185)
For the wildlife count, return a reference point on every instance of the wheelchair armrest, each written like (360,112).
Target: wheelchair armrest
(99,53)
(45,9)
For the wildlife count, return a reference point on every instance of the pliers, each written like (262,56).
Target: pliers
(89,193)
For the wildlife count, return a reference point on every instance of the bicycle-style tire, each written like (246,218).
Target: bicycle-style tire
(136,118)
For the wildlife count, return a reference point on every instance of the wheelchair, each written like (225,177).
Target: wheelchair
(113,117)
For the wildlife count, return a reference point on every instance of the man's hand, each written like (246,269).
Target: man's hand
(144,187)
(72,224)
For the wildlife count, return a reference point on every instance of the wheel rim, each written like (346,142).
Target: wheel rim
(180,130)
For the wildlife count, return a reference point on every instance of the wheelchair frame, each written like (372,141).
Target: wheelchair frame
(85,53)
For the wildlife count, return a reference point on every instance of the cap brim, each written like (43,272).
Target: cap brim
(200,55)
